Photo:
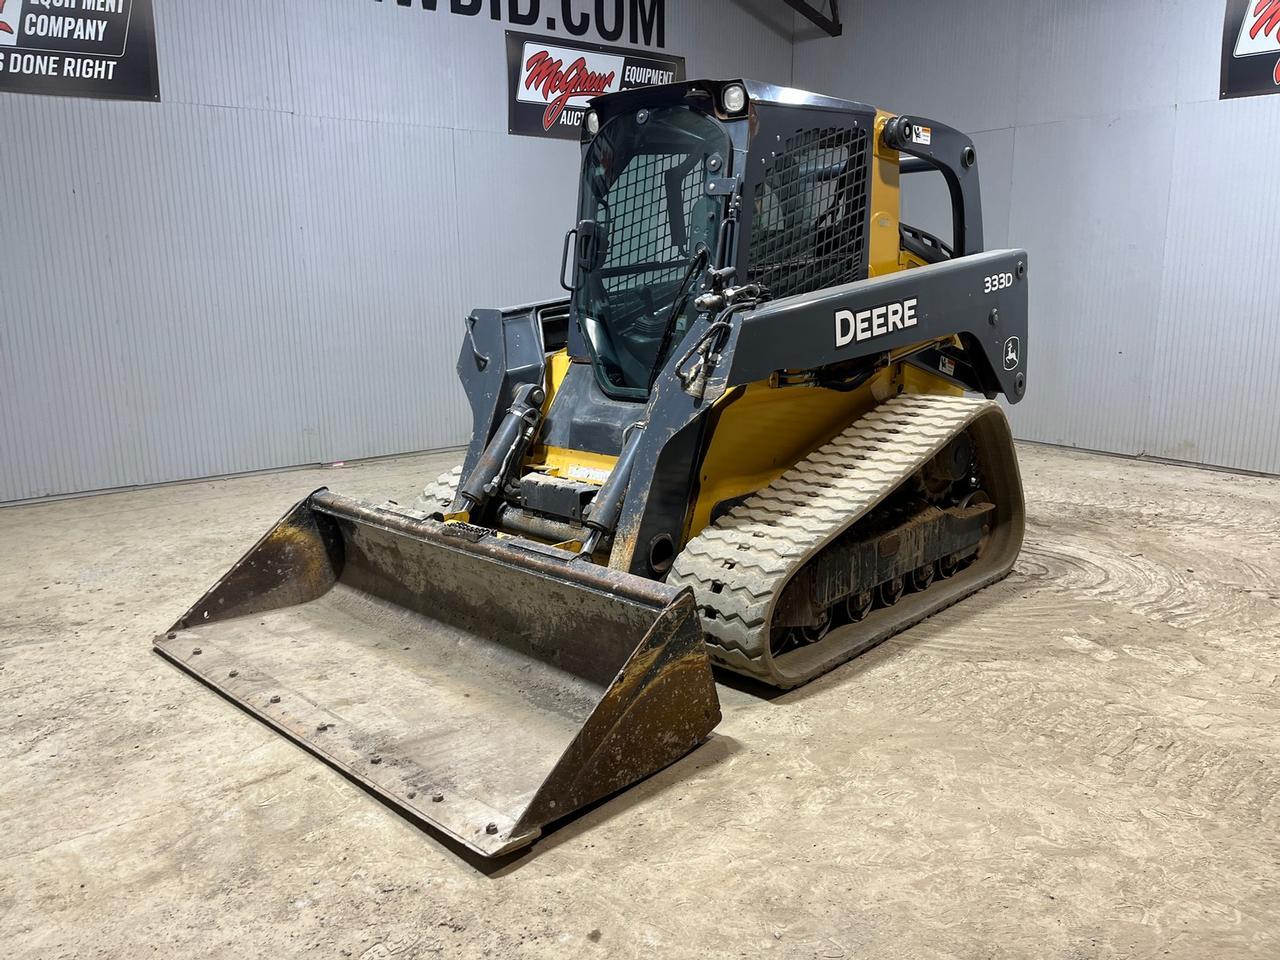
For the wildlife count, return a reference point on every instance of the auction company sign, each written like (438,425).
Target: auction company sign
(1251,48)
(550,80)
(79,48)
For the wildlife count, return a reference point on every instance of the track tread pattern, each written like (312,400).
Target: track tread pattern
(738,565)
(437,495)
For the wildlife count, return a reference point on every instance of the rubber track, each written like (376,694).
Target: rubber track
(438,494)
(738,566)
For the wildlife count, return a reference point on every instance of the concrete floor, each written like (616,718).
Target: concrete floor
(1081,762)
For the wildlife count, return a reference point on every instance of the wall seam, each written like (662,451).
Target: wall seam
(1162,306)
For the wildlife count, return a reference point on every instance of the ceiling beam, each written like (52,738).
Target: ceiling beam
(828,23)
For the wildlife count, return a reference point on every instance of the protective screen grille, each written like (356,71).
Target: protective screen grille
(645,247)
(809,228)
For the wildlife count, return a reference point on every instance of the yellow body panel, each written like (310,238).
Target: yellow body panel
(909,259)
(573,464)
(557,370)
(884,244)
(915,380)
(560,462)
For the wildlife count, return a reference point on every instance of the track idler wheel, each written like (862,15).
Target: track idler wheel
(815,632)
(858,605)
(973,499)
(782,639)
(891,591)
(921,577)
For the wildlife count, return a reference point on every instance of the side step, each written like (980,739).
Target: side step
(738,566)
(484,684)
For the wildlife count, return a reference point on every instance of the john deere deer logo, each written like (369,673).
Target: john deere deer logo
(1011,350)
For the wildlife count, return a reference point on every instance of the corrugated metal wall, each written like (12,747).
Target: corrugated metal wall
(271,266)
(1146,205)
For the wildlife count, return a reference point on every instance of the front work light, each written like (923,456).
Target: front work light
(734,98)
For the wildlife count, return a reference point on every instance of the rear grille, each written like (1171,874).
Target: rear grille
(809,228)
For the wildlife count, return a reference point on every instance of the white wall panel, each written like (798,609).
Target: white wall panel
(955,62)
(1215,397)
(1095,249)
(382,63)
(271,266)
(233,53)
(1192,41)
(1085,58)
(725,40)
(521,197)
(148,281)
(376,221)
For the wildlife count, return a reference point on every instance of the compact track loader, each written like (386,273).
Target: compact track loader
(758,430)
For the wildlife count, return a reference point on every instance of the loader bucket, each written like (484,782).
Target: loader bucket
(485,685)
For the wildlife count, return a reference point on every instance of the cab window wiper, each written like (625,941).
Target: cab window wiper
(677,306)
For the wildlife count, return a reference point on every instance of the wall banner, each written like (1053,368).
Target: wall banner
(1250,49)
(79,48)
(550,80)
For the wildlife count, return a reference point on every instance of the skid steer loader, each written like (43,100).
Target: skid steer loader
(758,430)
